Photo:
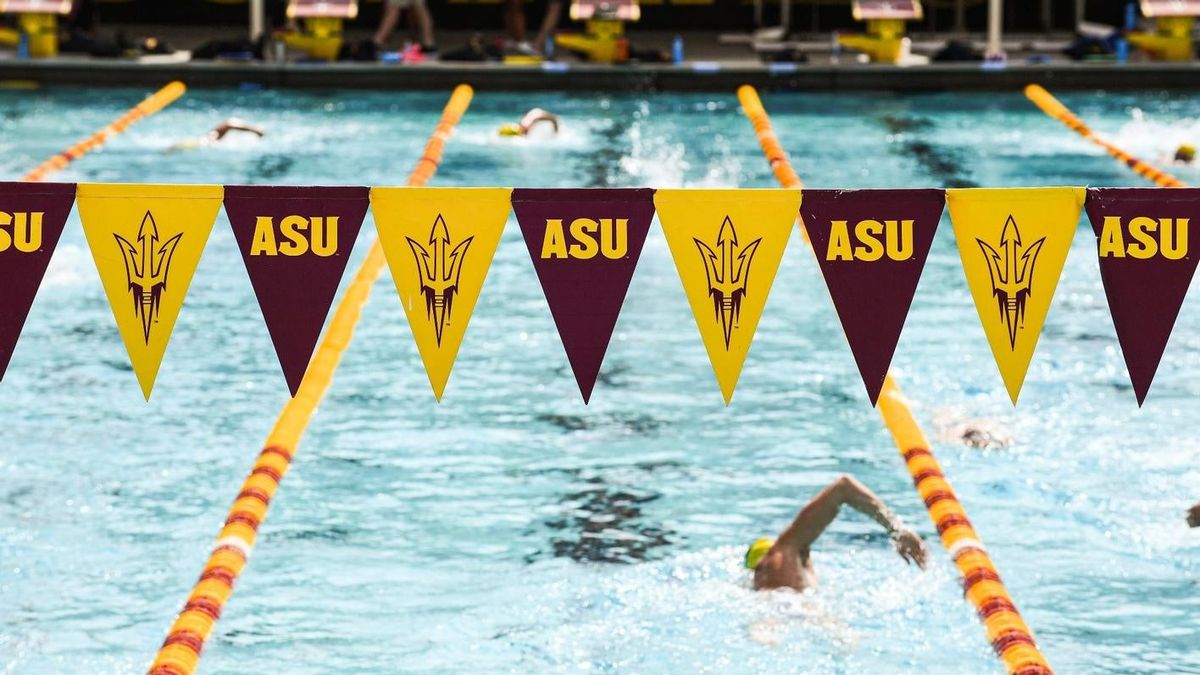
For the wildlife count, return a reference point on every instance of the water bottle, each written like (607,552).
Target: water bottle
(548,48)
(23,46)
(677,49)
(835,55)
(1122,49)
(1131,13)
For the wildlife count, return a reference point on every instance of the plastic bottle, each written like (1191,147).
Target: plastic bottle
(23,46)
(677,49)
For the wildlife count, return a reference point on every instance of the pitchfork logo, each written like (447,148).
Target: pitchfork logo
(439,268)
(146,268)
(1012,275)
(728,270)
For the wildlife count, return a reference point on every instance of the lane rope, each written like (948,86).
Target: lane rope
(1056,109)
(1007,632)
(180,652)
(153,103)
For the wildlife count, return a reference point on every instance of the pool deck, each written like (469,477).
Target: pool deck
(717,66)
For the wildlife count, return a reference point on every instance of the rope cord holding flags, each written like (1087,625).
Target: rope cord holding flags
(1055,108)
(153,103)
(180,652)
(1010,638)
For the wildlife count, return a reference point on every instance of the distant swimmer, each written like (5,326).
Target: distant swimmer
(536,117)
(786,561)
(1193,517)
(218,134)
(1185,154)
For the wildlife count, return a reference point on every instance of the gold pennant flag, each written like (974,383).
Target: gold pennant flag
(727,245)
(1013,244)
(439,244)
(147,241)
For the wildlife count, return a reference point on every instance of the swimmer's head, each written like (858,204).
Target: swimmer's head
(1185,153)
(511,129)
(757,550)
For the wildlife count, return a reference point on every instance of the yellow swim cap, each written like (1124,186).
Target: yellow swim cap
(757,550)
(1185,153)
(512,129)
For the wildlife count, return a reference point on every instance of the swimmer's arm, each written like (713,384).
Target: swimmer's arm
(234,125)
(1193,518)
(823,508)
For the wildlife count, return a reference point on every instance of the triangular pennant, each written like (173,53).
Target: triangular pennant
(1143,236)
(147,241)
(727,245)
(1013,244)
(871,246)
(32,216)
(439,244)
(295,242)
(585,245)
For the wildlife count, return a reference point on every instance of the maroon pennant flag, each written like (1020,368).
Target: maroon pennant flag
(296,242)
(585,244)
(1143,237)
(871,246)
(32,216)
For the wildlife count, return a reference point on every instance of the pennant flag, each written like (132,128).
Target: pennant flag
(1143,237)
(147,241)
(439,244)
(295,242)
(871,246)
(585,245)
(32,216)
(1013,244)
(727,245)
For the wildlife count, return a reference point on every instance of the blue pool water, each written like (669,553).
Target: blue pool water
(512,529)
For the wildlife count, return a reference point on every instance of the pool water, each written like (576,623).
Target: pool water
(513,529)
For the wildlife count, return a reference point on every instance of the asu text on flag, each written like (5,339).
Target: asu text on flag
(1143,238)
(439,244)
(585,245)
(147,241)
(295,242)
(727,245)
(1013,243)
(871,246)
(32,216)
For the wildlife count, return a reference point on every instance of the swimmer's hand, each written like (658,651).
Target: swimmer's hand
(910,546)
(1193,518)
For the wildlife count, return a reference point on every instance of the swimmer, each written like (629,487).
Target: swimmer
(1185,154)
(1193,517)
(786,561)
(528,120)
(217,135)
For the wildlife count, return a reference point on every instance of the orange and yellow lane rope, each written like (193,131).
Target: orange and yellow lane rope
(1010,638)
(154,103)
(1055,108)
(180,652)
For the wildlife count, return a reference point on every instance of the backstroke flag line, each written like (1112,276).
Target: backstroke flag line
(147,241)
(871,246)
(727,245)
(1013,244)
(1143,239)
(32,216)
(585,245)
(439,244)
(295,242)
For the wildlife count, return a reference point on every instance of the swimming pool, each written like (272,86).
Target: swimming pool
(512,529)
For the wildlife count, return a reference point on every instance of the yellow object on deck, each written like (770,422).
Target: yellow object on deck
(154,103)
(603,39)
(323,22)
(180,652)
(1010,638)
(1171,39)
(38,20)
(884,41)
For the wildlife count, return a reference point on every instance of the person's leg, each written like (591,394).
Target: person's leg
(387,25)
(549,23)
(424,25)
(514,20)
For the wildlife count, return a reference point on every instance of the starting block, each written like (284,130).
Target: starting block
(37,19)
(884,40)
(321,37)
(603,39)
(1172,37)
